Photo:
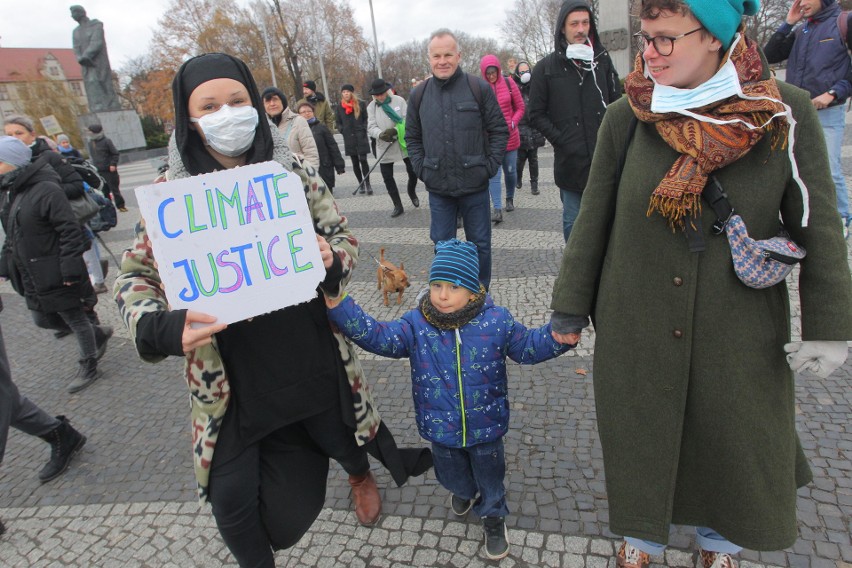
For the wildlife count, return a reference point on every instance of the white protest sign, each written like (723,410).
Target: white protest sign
(233,244)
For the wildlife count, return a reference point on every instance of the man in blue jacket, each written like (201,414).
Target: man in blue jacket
(818,62)
(456,137)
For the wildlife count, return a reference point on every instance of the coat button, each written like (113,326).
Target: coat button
(677,333)
(678,281)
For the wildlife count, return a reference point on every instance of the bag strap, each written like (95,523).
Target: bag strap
(716,197)
(843,26)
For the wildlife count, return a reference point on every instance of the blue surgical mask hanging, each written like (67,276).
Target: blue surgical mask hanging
(725,83)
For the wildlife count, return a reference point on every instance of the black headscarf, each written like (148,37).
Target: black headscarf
(193,73)
(270,92)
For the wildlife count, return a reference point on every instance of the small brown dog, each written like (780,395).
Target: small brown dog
(391,279)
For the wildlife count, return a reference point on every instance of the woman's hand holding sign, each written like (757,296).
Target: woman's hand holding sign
(195,337)
(325,252)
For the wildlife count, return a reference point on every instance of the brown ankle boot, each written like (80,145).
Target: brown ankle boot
(365,496)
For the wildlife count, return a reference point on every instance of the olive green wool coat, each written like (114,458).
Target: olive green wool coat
(695,401)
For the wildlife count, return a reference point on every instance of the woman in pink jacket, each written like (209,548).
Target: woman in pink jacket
(512,105)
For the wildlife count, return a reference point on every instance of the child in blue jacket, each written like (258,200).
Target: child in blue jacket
(457,341)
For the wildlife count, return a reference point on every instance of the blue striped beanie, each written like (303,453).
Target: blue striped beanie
(722,17)
(456,262)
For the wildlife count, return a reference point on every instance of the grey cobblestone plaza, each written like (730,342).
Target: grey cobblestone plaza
(128,499)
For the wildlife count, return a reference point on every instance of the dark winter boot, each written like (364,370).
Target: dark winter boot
(64,442)
(363,187)
(2,528)
(102,335)
(510,205)
(520,183)
(397,202)
(86,375)
(534,187)
(368,186)
(497,216)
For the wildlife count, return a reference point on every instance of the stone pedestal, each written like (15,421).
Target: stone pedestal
(123,127)
(615,34)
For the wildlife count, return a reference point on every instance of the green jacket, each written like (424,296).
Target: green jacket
(695,400)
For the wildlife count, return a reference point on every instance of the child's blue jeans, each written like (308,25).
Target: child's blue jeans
(475,470)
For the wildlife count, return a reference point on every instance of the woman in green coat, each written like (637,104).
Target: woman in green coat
(695,399)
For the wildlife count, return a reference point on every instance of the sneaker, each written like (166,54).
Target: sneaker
(496,538)
(716,559)
(123,209)
(100,288)
(460,506)
(62,333)
(631,557)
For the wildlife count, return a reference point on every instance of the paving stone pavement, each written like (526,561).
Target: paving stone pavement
(128,499)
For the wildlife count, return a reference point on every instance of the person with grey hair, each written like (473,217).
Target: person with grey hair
(456,137)
(42,256)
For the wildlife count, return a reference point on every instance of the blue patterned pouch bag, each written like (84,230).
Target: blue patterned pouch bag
(761,264)
(758,264)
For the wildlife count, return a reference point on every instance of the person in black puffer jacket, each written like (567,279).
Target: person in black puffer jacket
(43,254)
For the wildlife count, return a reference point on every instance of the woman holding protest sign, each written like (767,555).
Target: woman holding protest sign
(277,395)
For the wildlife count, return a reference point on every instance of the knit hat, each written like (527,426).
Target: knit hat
(722,17)
(270,92)
(347,87)
(62,138)
(96,128)
(14,152)
(311,85)
(456,262)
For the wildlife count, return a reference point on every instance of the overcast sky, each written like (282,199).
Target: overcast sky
(128,25)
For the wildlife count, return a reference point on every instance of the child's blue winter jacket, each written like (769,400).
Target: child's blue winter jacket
(458,377)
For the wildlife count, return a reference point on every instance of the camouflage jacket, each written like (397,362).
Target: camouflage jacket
(137,291)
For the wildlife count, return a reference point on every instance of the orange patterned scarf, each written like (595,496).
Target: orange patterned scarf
(705,146)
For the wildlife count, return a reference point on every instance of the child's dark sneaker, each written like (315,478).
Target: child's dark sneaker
(496,538)
(460,506)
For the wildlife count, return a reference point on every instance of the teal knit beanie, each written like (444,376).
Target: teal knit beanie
(722,17)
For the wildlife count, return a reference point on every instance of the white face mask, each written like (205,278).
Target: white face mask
(229,130)
(725,83)
(525,77)
(581,51)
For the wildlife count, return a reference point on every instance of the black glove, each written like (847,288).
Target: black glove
(388,135)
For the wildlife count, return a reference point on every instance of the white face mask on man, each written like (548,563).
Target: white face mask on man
(581,51)
(525,77)
(229,130)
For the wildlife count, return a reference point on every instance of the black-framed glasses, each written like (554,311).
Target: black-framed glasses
(664,45)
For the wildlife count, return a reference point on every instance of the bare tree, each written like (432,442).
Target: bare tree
(529,27)
(762,25)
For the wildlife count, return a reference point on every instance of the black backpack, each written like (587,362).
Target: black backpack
(88,172)
(107,217)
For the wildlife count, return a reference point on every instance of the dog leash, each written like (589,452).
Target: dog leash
(385,268)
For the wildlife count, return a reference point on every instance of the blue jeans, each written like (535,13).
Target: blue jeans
(833,120)
(707,539)
(476,470)
(476,215)
(570,208)
(510,169)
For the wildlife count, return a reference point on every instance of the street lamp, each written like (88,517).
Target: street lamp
(376,41)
